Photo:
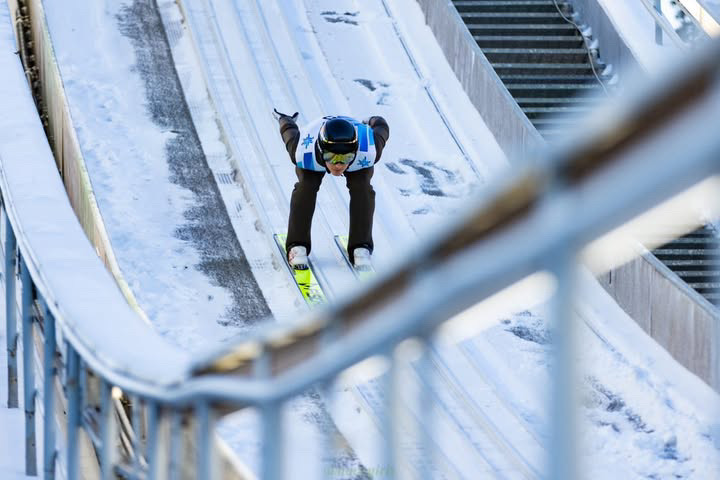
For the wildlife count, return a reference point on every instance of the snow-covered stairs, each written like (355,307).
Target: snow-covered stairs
(694,258)
(542,58)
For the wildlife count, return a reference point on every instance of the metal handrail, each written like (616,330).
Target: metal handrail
(592,150)
(662,25)
(706,17)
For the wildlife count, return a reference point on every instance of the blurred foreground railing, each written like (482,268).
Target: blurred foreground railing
(113,399)
(632,155)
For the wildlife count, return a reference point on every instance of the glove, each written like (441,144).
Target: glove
(279,115)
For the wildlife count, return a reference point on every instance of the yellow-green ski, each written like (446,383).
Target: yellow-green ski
(305,279)
(341,241)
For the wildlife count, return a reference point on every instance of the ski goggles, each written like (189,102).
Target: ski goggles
(338,158)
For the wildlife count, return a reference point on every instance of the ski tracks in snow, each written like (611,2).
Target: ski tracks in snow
(260,55)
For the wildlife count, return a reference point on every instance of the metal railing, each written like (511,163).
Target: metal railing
(149,413)
(663,28)
(705,13)
(626,161)
(662,25)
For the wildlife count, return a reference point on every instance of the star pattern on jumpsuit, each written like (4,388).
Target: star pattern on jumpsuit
(364,162)
(307,141)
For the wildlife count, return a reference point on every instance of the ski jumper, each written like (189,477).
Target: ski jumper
(302,146)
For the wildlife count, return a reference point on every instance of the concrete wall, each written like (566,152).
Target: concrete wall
(513,131)
(677,317)
(65,146)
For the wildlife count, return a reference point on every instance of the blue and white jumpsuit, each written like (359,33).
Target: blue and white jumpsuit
(302,145)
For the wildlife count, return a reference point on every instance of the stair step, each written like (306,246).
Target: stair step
(507,79)
(554,122)
(553,135)
(589,101)
(708,287)
(684,251)
(536,55)
(692,256)
(506,6)
(529,41)
(557,102)
(692,246)
(509,17)
(564,29)
(503,68)
(700,277)
(552,91)
(534,113)
(694,264)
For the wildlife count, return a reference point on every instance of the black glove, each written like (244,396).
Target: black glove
(280,115)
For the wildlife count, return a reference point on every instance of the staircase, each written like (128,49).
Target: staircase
(694,258)
(544,62)
(541,58)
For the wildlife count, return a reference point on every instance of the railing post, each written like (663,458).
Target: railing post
(176,444)
(28,369)
(72,386)
(49,450)
(138,429)
(563,465)
(108,431)
(204,441)
(426,403)
(389,418)
(270,414)
(658,27)
(153,422)
(10,316)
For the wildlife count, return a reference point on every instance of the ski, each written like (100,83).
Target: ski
(341,241)
(304,278)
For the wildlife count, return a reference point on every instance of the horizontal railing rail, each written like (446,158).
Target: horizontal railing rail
(706,13)
(663,28)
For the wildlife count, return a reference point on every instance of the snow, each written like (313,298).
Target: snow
(124,152)
(643,415)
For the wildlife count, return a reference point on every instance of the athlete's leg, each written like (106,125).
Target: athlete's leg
(302,207)
(362,209)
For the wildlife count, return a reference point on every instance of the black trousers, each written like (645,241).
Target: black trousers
(302,208)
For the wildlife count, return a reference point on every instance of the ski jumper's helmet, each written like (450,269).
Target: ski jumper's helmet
(337,135)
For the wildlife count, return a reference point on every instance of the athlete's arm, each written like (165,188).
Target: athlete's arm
(290,134)
(381,133)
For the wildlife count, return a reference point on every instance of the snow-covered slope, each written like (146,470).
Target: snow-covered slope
(236,60)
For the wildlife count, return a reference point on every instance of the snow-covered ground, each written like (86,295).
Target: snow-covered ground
(643,415)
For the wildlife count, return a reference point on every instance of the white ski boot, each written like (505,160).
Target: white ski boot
(361,256)
(297,258)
